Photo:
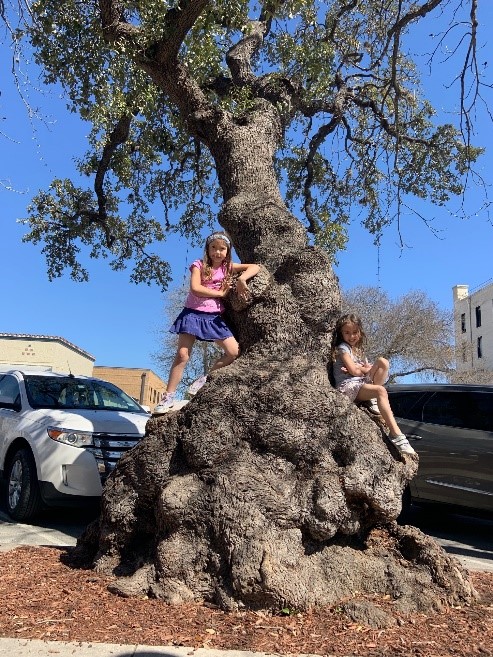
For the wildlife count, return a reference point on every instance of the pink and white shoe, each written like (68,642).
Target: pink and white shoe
(196,385)
(166,404)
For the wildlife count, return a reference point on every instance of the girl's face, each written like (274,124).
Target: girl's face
(217,251)
(351,334)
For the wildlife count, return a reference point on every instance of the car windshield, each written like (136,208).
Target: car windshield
(71,392)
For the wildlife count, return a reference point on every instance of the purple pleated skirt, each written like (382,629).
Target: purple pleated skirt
(204,326)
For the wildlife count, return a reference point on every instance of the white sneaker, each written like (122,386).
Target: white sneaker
(166,404)
(402,444)
(196,385)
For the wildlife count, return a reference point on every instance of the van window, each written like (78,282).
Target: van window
(408,405)
(481,411)
(9,389)
(471,410)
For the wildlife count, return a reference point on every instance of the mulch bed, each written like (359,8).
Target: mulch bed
(43,598)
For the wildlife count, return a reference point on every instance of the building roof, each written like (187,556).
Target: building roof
(47,338)
(122,367)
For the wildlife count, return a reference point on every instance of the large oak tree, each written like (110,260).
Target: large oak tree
(269,489)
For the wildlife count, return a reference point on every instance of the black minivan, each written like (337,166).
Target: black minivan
(451,428)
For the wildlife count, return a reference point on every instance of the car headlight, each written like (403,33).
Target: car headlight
(69,437)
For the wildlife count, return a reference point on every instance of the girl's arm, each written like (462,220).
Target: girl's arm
(200,290)
(247,272)
(353,368)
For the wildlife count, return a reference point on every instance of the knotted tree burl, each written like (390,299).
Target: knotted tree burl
(269,489)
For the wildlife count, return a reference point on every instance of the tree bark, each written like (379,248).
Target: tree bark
(270,488)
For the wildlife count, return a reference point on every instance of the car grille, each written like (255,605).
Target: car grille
(108,448)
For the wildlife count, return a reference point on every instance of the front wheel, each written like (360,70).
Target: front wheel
(23,497)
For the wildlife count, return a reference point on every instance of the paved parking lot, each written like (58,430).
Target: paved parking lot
(468,539)
(55,528)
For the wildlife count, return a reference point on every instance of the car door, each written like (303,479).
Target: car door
(456,449)
(9,407)
(407,406)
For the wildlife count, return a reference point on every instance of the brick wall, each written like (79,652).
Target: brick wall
(141,384)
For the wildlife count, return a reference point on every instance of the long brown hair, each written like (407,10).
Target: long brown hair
(349,318)
(227,262)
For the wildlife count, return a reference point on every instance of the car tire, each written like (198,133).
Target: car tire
(23,498)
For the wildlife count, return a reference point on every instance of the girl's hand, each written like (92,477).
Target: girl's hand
(225,290)
(242,290)
(364,370)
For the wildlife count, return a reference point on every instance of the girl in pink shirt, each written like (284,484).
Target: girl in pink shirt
(210,281)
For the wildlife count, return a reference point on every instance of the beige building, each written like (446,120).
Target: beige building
(143,385)
(54,353)
(473,320)
(59,355)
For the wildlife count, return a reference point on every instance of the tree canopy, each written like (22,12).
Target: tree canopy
(356,134)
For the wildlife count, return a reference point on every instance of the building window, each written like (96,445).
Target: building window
(463,322)
(478,316)
(480,347)
(464,352)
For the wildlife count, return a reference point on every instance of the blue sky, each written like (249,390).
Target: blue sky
(118,322)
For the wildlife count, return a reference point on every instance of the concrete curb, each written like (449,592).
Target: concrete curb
(36,648)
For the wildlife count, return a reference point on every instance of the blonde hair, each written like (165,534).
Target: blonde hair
(349,318)
(227,262)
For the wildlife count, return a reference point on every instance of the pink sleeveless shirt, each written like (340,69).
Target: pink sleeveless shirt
(207,304)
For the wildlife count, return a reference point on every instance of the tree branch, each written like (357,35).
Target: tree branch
(239,56)
(395,375)
(118,136)
(176,24)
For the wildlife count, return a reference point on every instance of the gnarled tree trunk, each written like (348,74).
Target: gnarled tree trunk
(270,488)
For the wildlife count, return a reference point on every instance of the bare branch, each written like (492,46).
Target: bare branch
(469,62)
(118,136)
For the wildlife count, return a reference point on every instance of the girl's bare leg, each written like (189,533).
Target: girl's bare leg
(231,350)
(185,344)
(379,372)
(372,391)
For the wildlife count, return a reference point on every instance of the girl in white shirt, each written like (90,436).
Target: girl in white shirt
(360,380)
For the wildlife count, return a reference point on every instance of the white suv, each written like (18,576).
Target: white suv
(60,437)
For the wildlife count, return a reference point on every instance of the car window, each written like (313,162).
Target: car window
(468,409)
(71,392)
(446,408)
(408,404)
(9,389)
(478,410)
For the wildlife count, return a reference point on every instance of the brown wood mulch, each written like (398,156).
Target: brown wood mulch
(42,598)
